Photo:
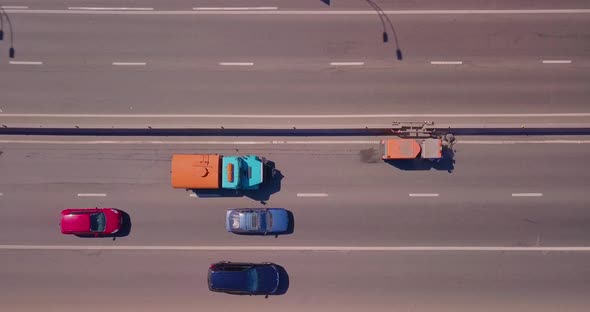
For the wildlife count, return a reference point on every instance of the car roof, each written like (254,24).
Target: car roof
(230,280)
(247,220)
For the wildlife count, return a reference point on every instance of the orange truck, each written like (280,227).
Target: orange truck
(404,148)
(213,171)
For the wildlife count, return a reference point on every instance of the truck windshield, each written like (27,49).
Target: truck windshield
(98,222)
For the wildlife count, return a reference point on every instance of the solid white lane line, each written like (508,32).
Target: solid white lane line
(145,142)
(92,195)
(297,248)
(446,62)
(327,142)
(233,8)
(26,63)
(133,11)
(236,63)
(527,194)
(347,63)
(109,9)
(14,7)
(312,195)
(274,142)
(557,61)
(423,195)
(526,142)
(279,116)
(129,63)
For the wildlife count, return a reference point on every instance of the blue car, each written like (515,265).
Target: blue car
(244,278)
(261,221)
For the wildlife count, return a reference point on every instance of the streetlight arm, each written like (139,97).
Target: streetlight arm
(1,27)
(11,50)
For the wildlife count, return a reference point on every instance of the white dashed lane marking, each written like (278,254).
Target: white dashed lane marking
(347,63)
(527,194)
(14,7)
(234,8)
(446,62)
(557,61)
(25,63)
(92,195)
(129,63)
(423,195)
(109,9)
(312,195)
(236,63)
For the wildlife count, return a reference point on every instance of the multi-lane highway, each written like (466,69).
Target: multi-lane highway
(305,61)
(318,281)
(505,227)
(496,195)
(363,203)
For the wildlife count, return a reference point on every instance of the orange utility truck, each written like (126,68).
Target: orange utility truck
(212,171)
(416,140)
(430,148)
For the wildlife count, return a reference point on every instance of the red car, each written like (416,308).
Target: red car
(91,221)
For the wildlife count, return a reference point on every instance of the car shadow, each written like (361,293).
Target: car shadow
(126,227)
(447,163)
(124,231)
(283,281)
(272,185)
(291,228)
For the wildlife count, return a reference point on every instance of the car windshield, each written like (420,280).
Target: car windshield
(248,220)
(98,222)
(252,280)
(268,220)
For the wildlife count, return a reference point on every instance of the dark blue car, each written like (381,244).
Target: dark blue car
(244,278)
(260,221)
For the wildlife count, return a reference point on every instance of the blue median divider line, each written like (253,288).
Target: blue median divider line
(466,131)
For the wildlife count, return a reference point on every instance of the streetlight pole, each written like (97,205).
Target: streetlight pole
(382,17)
(3,15)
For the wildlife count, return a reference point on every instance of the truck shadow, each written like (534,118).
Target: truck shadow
(272,185)
(447,162)
(273,178)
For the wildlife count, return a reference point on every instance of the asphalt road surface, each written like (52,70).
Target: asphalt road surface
(325,281)
(506,195)
(176,63)
(503,227)
(365,203)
